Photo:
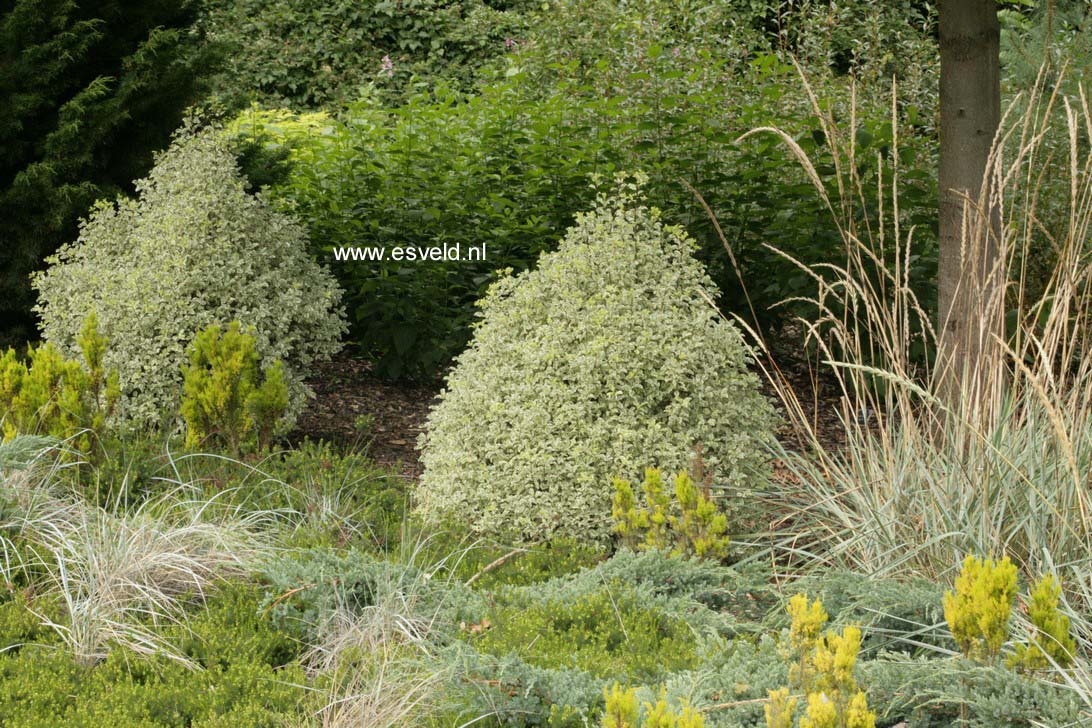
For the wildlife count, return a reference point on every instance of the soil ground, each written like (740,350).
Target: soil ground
(391,414)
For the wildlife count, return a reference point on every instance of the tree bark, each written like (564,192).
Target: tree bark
(970,284)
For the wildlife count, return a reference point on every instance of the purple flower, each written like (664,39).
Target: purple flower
(387,67)
(510,43)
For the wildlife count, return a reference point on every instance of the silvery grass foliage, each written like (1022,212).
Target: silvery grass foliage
(22,451)
(310,506)
(605,359)
(193,248)
(378,667)
(387,663)
(117,573)
(923,481)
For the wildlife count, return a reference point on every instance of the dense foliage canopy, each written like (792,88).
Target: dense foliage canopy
(193,249)
(756,317)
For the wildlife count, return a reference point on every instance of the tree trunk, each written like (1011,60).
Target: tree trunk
(970,281)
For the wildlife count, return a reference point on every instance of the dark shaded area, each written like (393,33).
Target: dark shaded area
(88,91)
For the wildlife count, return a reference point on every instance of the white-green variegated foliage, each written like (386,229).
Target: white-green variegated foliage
(605,359)
(193,249)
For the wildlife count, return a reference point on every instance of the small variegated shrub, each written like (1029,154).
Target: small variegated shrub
(604,359)
(193,249)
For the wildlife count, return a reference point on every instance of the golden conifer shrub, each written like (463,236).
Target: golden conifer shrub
(780,709)
(622,710)
(51,394)
(805,630)
(661,715)
(691,525)
(979,608)
(1050,641)
(821,666)
(225,401)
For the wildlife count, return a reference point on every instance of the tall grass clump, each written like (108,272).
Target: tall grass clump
(924,478)
(118,574)
(22,451)
(378,669)
(383,660)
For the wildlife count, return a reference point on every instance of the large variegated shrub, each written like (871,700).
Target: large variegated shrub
(193,249)
(605,359)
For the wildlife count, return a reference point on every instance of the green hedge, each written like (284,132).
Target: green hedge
(509,166)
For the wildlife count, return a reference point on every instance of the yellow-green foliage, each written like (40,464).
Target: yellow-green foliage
(978,614)
(605,633)
(251,675)
(629,520)
(822,712)
(662,715)
(822,667)
(49,394)
(642,527)
(835,658)
(805,630)
(222,399)
(693,525)
(267,404)
(978,610)
(621,711)
(700,524)
(1050,639)
(780,709)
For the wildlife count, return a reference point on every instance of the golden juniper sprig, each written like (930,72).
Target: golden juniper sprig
(621,709)
(693,523)
(978,610)
(659,505)
(58,396)
(700,526)
(780,709)
(1050,640)
(822,667)
(808,620)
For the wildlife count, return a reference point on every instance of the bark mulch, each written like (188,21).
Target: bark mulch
(390,414)
(347,390)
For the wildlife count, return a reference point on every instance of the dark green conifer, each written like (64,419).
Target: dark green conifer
(88,90)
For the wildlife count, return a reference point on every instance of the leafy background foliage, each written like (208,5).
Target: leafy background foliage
(487,126)
(593,88)
(303,54)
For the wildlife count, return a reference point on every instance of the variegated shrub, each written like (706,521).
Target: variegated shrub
(193,249)
(603,360)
